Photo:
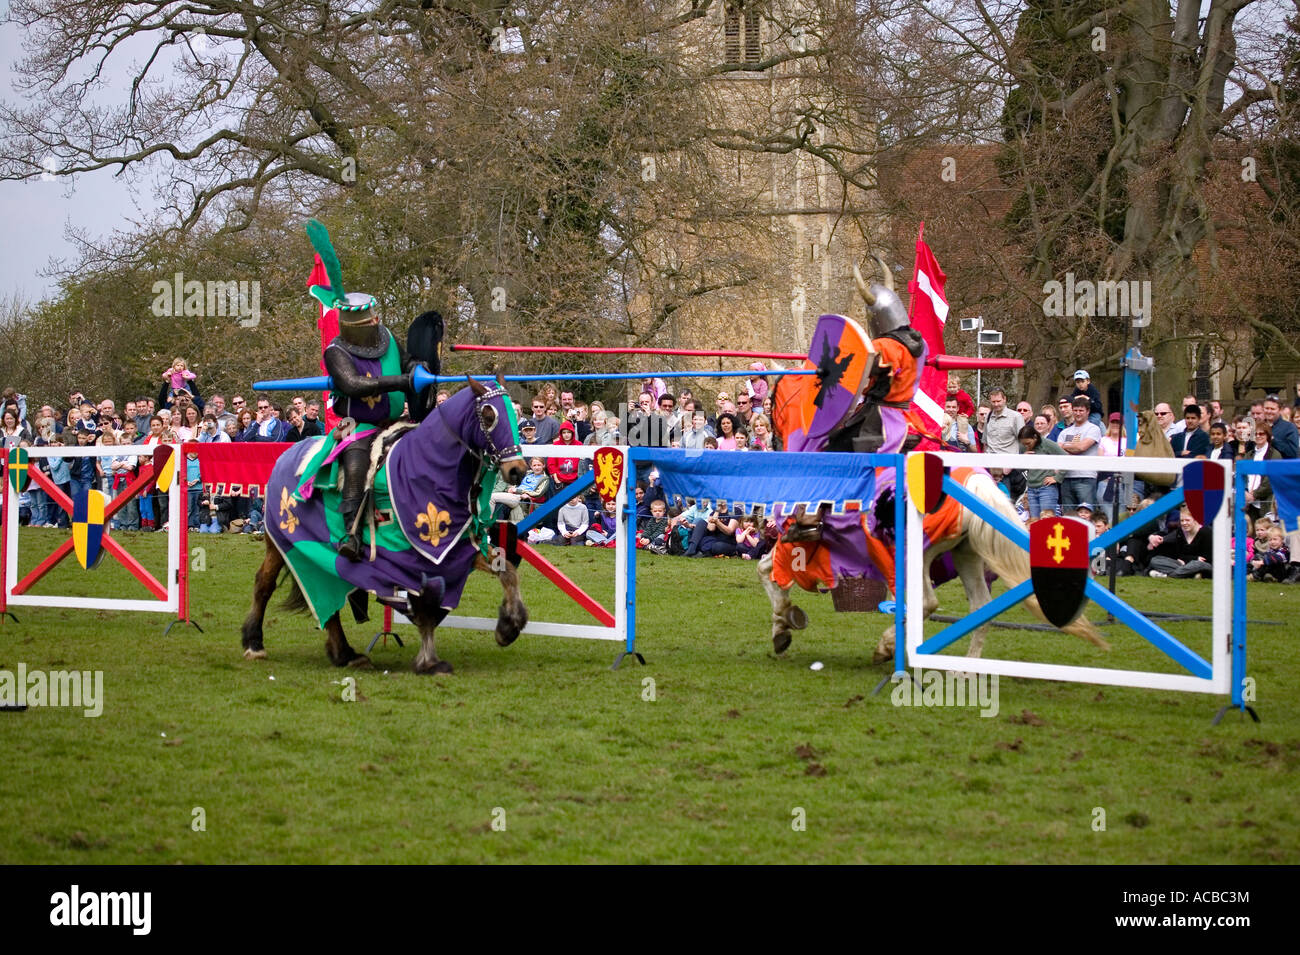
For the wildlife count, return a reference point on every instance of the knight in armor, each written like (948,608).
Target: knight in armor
(371,382)
(880,423)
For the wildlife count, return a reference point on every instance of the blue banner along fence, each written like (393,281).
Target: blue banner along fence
(768,480)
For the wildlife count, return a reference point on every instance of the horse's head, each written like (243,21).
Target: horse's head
(496,419)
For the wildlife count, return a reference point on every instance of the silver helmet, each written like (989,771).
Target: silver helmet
(885,311)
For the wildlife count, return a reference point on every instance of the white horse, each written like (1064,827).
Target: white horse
(974,544)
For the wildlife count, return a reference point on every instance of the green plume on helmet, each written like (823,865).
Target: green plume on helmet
(335,296)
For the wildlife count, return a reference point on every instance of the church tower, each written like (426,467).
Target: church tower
(798,224)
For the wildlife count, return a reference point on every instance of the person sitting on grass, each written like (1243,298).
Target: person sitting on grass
(1271,563)
(571,524)
(602,530)
(652,531)
(749,540)
(1184,552)
(715,536)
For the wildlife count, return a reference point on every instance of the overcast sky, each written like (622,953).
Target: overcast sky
(36,213)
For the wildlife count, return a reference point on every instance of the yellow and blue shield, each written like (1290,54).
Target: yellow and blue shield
(88,527)
(18,476)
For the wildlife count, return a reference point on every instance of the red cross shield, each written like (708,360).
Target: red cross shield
(1058,566)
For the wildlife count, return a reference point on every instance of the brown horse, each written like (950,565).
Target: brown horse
(473,430)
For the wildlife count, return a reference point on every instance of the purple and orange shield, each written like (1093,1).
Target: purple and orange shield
(808,408)
(1058,567)
(1203,490)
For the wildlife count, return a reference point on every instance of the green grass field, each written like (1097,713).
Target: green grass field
(581,767)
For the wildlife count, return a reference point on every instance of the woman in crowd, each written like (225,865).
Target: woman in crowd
(1109,483)
(714,536)
(12,431)
(1259,493)
(727,428)
(247,426)
(764,439)
(1042,486)
(188,427)
(1185,552)
(602,434)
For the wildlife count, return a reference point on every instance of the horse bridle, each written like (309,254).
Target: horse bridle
(495,455)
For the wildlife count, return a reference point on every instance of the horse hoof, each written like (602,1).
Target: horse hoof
(796,618)
(781,641)
(251,654)
(442,666)
(361,662)
(882,654)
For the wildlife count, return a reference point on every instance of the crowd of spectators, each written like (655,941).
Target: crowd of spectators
(655,418)
(1171,547)
(658,417)
(179,413)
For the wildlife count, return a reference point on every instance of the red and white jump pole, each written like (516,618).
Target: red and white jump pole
(942,362)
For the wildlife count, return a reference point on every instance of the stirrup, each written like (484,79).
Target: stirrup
(350,548)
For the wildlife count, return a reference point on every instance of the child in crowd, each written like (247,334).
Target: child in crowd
(602,530)
(1271,563)
(652,530)
(571,524)
(176,377)
(749,542)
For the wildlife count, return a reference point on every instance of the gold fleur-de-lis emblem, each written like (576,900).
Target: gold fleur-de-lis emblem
(373,399)
(289,521)
(435,524)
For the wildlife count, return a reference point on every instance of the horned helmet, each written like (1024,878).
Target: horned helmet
(885,311)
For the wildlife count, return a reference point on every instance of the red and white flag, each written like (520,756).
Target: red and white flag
(929,314)
(328,325)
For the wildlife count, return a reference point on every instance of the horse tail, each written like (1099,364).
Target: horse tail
(1006,558)
(294,599)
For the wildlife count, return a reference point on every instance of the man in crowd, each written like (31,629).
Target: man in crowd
(548,428)
(217,405)
(1285,437)
(672,420)
(1001,430)
(1165,418)
(1064,417)
(1193,442)
(1082,438)
(965,406)
(744,409)
(267,427)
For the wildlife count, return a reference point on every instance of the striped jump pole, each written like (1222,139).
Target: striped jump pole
(423,378)
(942,362)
